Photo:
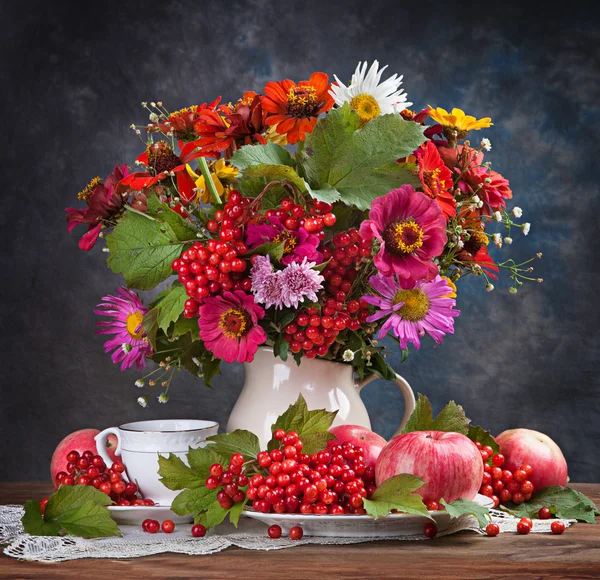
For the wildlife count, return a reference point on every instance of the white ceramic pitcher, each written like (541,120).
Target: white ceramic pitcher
(272,385)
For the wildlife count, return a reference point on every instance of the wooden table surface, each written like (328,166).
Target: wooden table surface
(575,554)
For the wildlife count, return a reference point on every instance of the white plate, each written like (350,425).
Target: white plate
(359,526)
(136,514)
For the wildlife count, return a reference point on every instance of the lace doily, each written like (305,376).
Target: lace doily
(251,535)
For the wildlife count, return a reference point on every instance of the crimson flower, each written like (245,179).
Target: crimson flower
(105,203)
(181,123)
(436,178)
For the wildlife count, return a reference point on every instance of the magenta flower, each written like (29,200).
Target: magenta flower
(411,230)
(130,342)
(299,244)
(426,308)
(229,326)
(105,203)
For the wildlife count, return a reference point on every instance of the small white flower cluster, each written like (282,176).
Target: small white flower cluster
(517,212)
(486,144)
(497,239)
(526,227)
(163,398)
(497,216)
(348,355)
(478,203)
(143,402)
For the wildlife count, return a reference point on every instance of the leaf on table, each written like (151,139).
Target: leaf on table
(89,520)
(451,418)
(484,437)
(142,250)
(397,493)
(212,516)
(311,426)
(34,523)
(68,497)
(563,502)
(460,506)
(238,441)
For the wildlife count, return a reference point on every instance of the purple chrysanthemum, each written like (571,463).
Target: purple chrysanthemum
(130,342)
(300,281)
(266,284)
(299,244)
(413,312)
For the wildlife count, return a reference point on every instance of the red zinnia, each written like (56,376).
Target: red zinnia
(230,128)
(294,108)
(436,178)
(181,123)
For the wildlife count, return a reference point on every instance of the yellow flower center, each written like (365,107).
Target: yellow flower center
(366,106)
(433,181)
(234,323)
(134,325)
(289,239)
(452,285)
(403,237)
(416,304)
(193,109)
(302,101)
(89,188)
(475,242)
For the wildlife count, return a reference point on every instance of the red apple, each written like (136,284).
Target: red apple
(525,446)
(449,464)
(79,441)
(371,443)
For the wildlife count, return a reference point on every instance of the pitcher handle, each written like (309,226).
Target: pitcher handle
(101,440)
(407,393)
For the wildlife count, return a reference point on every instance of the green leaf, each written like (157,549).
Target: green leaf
(185,325)
(213,516)
(193,501)
(451,418)
(150,324)
(484,437)
(182,228)
(201,458)
(238,441)
(326,193)
(360,165)
(236,511)
(269,154)
(142,250)
(273,249)
(74,510)
(311,426)
(171,307)
(281,348)
(563,502)
(274,173)
(210,369)
(460,506)
(175,474)
(397,493)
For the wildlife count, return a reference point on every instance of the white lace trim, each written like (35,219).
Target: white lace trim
(251,536)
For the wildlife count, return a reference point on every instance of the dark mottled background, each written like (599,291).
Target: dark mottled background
(73,76)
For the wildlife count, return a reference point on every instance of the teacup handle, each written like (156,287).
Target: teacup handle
(101,440)
(407,393)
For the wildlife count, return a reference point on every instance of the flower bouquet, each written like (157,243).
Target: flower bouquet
(316,218)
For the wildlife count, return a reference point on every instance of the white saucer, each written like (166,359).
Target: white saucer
(135,514)
(353,526)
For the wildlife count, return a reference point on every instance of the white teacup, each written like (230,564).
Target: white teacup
(140,443)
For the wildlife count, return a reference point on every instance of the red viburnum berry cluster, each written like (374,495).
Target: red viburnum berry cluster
(333,481)
(90,469)
(502,485)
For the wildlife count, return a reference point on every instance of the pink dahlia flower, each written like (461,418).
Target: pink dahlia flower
(130,343)
(424,309)
(229,326)
(411,230)
(468,163)
(299,244)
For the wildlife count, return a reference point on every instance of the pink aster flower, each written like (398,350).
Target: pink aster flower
(300,281)
(130,342)
(299,244)
(474,176)
(411,230)
(266,284)
(229,326)
(426,308)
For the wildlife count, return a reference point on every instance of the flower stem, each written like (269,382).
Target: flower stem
(208,180)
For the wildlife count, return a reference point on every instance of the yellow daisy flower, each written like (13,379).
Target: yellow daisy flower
(458,121)
(222,173)
(452,285)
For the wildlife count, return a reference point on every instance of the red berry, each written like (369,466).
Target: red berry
(518,497)
(198,531)
(237,459)
(557,527)
(520,475)
(43,504)
(118,487)
(498,459)
(152,527)
(544,514)
(72,456)
(168,526)
(296,533)
(118,467)
(527,469)
(429,530)
(433,506)
(527,487)
(274,532)
(492,529)
(216,470)
(524,527)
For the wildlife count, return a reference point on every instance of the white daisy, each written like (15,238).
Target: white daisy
(367,97)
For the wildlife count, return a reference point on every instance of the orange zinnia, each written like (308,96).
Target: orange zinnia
(294,108)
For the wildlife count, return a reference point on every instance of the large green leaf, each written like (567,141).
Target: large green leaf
(193,501)
(275,173)
(238,441)
(397,493)
(360,165)
(183,229)
(484,437)
(142,250)
(451,418)
(171,307)
(269,154)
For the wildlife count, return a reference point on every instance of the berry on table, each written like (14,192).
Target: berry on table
(168,526)
(430,530)
(198,531)
(152,526)
(274,531)
(544,514)
(296,533)
(492,529)
(557,527)
(524,526)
